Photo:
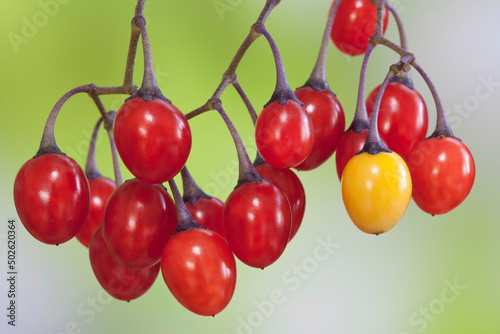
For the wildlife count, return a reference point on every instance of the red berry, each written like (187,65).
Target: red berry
(354,24)
(350,144)
(200,271)
(402,118)
(100,190)
(328,121)
(257,221)
(443,172)
(291,186)
(152,138)
(119,281)
(284,134)
(208,212)
(138,221)
(52,195)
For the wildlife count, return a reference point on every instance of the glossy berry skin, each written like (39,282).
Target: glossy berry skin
(208,212)
(52,195)
(328,121)
(119,281)
(284,134)
(257,221)
(350,144)
(291,186)
(152,138)
(200,270)
(354,24)
(376,190)
(443,172)
(402,118)
(100,190)
(138,221)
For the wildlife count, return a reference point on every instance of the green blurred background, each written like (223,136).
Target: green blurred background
(396,283)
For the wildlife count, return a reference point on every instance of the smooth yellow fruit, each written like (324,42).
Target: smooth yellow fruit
(376,190)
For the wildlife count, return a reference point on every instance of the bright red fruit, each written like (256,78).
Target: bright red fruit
(138,221)
(350,144)
(100,190)
(200,270)
(291,186)
(152,138)
(354,24)
(257,221)
(208,212)
(328,121)
(402,118)
(284,134)
(442,171)
(52,195)
(119,281)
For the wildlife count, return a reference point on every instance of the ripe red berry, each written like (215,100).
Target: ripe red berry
(200,270)
(52,195)
(443,172)
(119,281)
(402,118)
(257,221)
(100,190)
(354,24)
(138,221)
(208,213)
(328,121)
(350,144)
(291,186)
(152,138)
(284,134)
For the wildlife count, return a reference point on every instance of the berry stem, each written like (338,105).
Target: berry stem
(184,217)
(247,172)
(373,144)
(442,125)
(114,152)
(128,80)
(247,102)
(258,159)
(399,23)
(139,8)
(48,142)
(403,77)
(270,4)
(318,80)
(192,193)
(229,75)
(149,90)
(91,169)
(360,121)
(282,93)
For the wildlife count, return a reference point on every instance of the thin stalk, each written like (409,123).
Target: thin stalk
(114,152)
(149,90)
(442,125)
(360,121)
(247,172)
(403,77)
(373,143)
(91,169)
(184,217)
(318,80)
(247,102)
(139,8)
(229,75)
(192,192)
(258,158)
(282,93)
(48,142)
